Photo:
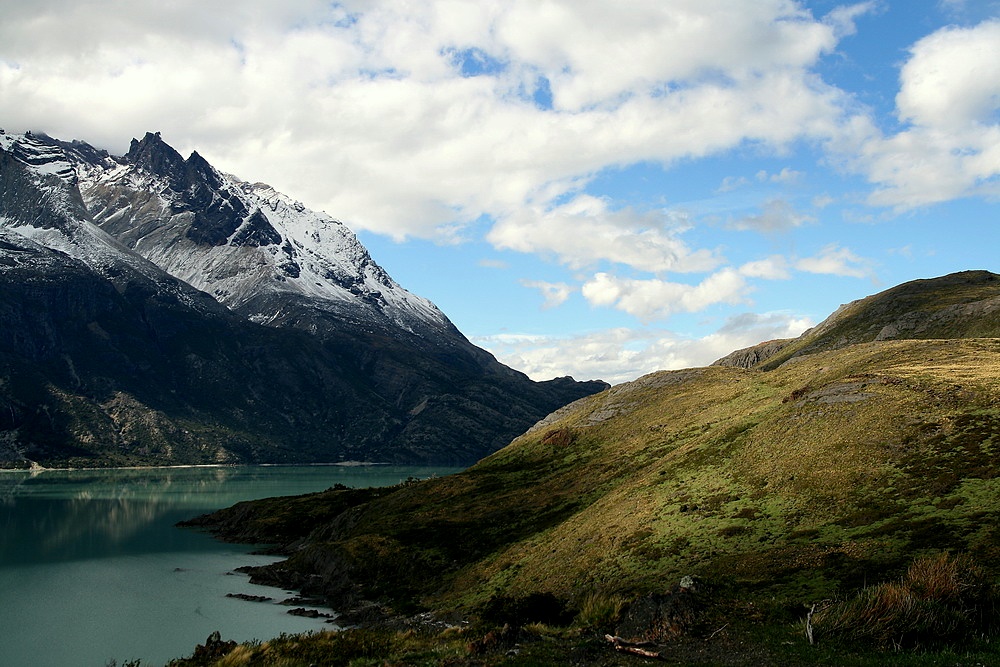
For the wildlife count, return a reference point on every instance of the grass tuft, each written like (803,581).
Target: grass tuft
(600,611)
(942,599)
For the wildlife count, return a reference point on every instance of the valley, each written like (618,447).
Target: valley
(755,510)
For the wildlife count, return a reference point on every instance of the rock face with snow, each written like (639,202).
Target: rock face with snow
(156,310)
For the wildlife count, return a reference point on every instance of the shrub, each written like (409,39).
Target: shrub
(600,611)
(941,599)
(562,437)
(520,611)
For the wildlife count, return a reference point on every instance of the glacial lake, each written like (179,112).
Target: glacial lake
(94,570)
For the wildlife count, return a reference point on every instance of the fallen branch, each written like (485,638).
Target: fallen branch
(717,631)
(635,648)
(809,625)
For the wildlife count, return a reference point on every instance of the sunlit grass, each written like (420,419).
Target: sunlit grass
(784,488)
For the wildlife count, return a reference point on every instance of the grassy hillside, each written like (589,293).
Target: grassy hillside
(804,480)
(959,305)
(777,489)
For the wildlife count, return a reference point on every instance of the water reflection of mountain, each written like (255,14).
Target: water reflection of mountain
(9,485)
(69,515)
(61,515)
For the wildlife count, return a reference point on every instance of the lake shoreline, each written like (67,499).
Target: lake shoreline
(35,468)
(98,554)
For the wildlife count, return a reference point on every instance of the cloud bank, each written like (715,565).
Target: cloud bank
(489,121)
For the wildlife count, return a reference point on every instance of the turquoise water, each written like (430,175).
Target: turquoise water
(93,569)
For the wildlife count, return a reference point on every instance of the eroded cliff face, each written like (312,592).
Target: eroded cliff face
(158,311)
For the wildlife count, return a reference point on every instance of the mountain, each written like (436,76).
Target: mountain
(778,489)
(158,311)
(960,305)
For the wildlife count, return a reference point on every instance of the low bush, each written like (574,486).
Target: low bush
(600,611)
(520,611)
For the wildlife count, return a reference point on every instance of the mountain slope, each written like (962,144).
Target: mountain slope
(311,352)
(959,305)
(789,486)
(247,245)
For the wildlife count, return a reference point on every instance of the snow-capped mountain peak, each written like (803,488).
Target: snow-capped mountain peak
(112,355)
(244,243)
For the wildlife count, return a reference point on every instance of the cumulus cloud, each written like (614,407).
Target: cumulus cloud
(555,294)
(621,354)
(949,100)
(585,231)
(418,119)
(837,261)
(654,299)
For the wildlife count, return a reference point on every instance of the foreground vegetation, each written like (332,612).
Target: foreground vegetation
(943,610)
(850,495)
(741,640)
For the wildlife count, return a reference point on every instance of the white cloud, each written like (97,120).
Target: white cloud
(555,294)
(842,18)
(363,108)
(770,268)
(620,355)
(730,183)
(949,98)
(822,201)
(837,261)
(602,52)
(653,299)
(778,215)
(586,231)
(786,175)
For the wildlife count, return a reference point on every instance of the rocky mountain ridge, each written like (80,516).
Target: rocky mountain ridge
(965,304)
(159,311)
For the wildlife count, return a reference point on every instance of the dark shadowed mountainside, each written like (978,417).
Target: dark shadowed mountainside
(157,311)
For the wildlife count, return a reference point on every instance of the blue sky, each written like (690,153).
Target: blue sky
(585,188)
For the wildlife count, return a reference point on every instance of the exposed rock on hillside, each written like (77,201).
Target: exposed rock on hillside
(751,356)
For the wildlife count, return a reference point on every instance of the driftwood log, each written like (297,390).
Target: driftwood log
(645,649)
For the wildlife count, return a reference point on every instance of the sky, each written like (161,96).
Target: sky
(585,188)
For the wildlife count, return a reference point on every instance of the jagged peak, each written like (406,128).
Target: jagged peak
(198,161)
(154,154)
(277,246)
(198,168)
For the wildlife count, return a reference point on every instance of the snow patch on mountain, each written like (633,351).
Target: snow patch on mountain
(53,176)
(332,263)
(235,240)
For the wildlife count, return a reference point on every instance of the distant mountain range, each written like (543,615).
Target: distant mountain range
(155,310)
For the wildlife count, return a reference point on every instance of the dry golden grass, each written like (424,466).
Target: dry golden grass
(684,471)
(942,598)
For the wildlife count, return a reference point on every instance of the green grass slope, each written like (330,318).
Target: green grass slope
(805,480)
(959,305)
(802,483)
(781,488)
